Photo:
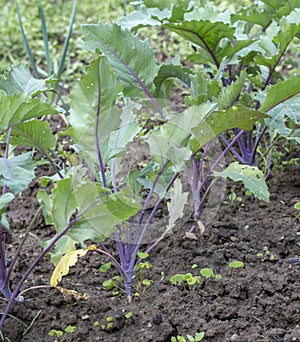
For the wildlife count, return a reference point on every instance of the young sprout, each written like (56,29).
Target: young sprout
(235,264)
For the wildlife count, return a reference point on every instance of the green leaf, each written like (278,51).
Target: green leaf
(34,133)
(21,107)
(202,89)
(251,176)
(205,34)
(141,18)
(128,129)
(220,121)
(207,273)
(132,59)
(285,119)
(4,200)
(168,71)
(280,92)
(236,264)
(286,33)
(100,213)
(230,94)
(19,80)
(17,172)
(208,12)
(99,83)
(174,134)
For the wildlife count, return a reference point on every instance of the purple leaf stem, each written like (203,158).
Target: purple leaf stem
(149,221)
(135,76)
(4,287)
(101,165)
(232,149)
(161,170)
(220,157)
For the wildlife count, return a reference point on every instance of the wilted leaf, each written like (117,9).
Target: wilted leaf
(63,267)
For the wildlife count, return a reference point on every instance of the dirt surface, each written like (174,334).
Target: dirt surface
(259,302)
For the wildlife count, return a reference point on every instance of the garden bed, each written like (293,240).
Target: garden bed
(259,302)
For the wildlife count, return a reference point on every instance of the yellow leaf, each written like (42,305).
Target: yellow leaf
(92,247)
(62,268)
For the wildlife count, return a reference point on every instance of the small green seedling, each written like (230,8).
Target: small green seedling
(129,315)
(297,207)
(59,333)
(111,283)
(188,281)
(208,273)
(108,325)
(198,337)
(143,283)
(234,265)
(266,255)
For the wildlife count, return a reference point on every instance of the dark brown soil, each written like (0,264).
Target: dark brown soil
(257,303)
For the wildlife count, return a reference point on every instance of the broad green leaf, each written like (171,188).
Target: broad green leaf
(174,134)
(119,138)
(19,80)
(285,118)
(220,121)
(236,264)
(34,133)
(168,71)
(230,94)
(251,176)
(260,17)
(17,172)
(63,203)
(280,92)
(17,108)
(64,264)
(177,204)
(286,32)
(94,93)
(207,273)
(46,204)
(100,213)
(132,59)
(206,35)
(138,19)
(208,12)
